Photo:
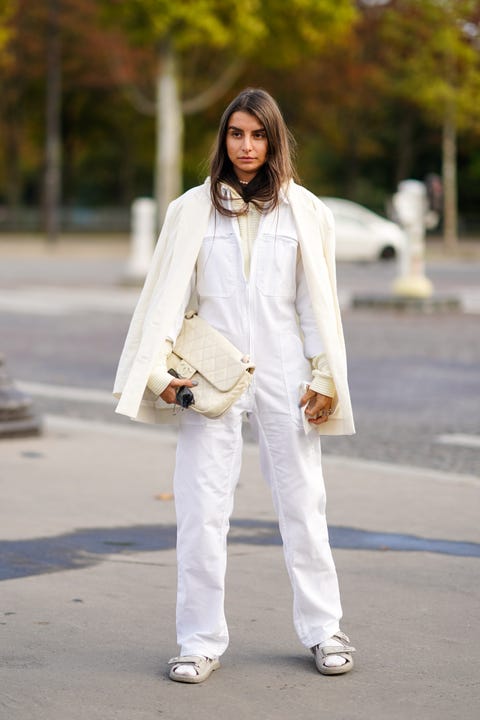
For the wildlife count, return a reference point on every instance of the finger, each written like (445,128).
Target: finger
(322,416)
(319,420)
(306,398)
(320,403)
(180,382)
(190,383)
(177,382)
(314,407)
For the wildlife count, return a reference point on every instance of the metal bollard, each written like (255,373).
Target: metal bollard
(142,242)
(411,208)
(16,417)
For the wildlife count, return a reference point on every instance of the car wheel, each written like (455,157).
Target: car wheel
(388,253)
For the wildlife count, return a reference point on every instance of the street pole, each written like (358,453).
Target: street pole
(142,240)
(410,205)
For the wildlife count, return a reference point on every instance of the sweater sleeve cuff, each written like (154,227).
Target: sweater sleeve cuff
(322,381)
(323,386)
(159,381)
(159,378)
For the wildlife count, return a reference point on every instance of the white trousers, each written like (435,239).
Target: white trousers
(206,474)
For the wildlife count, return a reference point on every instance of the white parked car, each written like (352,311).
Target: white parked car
(362,234)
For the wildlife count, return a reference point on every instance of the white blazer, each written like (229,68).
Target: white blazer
(166,285)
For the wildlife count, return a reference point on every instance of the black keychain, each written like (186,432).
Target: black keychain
(184,396)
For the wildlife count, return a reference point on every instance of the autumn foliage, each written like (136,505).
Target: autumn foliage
(365,90)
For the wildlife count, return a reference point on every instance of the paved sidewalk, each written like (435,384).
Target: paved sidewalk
(88,589)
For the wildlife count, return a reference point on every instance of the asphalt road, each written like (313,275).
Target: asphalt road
(415,378)
(87,519)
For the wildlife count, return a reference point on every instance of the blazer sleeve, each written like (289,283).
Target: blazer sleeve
(134,334)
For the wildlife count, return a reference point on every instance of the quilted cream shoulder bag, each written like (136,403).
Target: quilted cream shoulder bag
(204,355)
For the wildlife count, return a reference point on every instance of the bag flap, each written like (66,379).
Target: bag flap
(211,354)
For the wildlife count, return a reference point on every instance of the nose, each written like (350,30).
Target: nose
(247,143)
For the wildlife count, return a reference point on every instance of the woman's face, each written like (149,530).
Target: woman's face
(247,144)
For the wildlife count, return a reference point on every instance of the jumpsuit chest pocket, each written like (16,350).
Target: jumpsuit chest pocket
(217,266)
(277,265)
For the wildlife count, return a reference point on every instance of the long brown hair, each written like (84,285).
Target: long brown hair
(278,169)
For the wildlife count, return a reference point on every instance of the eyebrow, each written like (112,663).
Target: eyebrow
(233,127)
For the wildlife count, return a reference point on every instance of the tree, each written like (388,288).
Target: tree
(39,43)
(344,111)
(434,62)
(18,64)
(233,31)
(6,11)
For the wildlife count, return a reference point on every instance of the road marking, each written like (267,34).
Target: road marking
(463,440)
(393,471)
(469,298)
(62,392)
(55,301)
(65,301)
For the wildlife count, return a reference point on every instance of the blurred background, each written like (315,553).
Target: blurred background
(103,101)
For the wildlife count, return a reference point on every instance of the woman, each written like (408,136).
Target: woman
(255,252)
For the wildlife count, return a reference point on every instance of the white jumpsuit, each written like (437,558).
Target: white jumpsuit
(260,316)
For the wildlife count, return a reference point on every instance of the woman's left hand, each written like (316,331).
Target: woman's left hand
(319,407)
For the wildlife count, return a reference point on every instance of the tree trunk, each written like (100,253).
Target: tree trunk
(12,156)
(53,142)
(449,172)
(405,155)
(352,169)
(169,131)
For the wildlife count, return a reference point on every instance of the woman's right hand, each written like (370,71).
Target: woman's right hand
(169,395)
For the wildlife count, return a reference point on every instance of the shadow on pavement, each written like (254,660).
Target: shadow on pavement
(82,548)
